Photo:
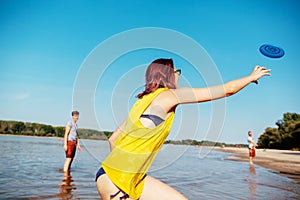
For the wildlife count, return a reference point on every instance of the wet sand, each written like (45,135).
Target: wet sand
(282,161)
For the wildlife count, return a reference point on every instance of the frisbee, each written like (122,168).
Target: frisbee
(271,51)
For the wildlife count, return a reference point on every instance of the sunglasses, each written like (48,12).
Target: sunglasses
(178,72)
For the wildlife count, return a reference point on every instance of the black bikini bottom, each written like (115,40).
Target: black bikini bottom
(100,173)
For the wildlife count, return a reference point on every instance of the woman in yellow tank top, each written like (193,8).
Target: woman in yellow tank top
(135,143)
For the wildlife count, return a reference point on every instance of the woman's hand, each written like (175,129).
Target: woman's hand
(259,72)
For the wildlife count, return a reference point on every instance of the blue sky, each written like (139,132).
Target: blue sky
(44,44)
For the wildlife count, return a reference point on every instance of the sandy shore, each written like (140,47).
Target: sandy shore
(282,161)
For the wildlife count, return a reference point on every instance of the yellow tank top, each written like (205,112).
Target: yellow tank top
(136,148)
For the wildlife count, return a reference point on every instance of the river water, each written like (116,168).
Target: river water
(31,168)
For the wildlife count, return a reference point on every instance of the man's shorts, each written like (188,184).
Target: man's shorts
(252,152)
(70,153)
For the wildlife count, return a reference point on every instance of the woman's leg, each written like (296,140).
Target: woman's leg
(106,188)
(155,189)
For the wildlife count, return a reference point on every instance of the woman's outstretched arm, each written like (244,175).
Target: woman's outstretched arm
(197,95)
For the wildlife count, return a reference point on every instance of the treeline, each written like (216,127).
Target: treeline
(285,136)
(203,143)
(93,134)
(36,129)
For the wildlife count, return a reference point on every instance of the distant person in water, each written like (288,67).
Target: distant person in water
(71,140)
(136,142)
(251,145)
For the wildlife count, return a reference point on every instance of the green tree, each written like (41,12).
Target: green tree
(60,131)
(107,133)
(285,136)
(18,128)
(47,130)
(4,126)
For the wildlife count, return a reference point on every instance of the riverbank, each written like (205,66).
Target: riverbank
(282,161)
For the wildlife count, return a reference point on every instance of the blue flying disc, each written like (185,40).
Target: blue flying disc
(271,51)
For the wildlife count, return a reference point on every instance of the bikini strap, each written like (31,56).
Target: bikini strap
(114,195)
(125,196)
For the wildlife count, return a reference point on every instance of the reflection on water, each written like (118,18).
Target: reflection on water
(66,187)
(34,163)
(252,169)
(252,182)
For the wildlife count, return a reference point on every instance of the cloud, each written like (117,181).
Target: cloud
(22,96)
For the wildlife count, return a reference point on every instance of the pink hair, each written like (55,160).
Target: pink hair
(159,74)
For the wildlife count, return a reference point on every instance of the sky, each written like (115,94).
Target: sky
(56,56)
